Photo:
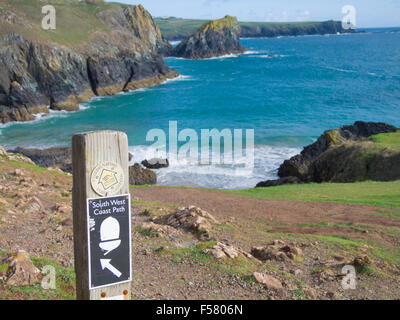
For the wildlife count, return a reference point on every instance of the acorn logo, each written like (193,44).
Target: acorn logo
(109,235)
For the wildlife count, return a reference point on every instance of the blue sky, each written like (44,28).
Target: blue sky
(369,13)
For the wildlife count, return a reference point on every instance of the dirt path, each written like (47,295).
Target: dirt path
(289,213)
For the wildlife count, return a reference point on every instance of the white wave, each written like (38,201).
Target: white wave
(252,52)
(341,70)
(179,78)
(175,43)
(189,172)
(225,56)
(271,56)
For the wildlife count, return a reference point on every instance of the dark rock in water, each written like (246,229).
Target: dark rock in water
(215,38)
(139,176)
(279,182)
(156,163)
(54,157)
(299,165)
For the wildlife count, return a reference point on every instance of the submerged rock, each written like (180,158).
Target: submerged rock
(156,163)
(214,38)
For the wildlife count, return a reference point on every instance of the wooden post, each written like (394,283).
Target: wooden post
(91,151)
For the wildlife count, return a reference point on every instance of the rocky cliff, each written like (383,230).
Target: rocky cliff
(214,38)
(97,49)
(347,154)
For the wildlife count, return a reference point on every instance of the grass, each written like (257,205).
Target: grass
(75,21)
(385,194)
(389,141)
(194,253)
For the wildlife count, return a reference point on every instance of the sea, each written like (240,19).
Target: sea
(289,90)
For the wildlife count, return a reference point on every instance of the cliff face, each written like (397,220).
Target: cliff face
(124,53)
(214,38)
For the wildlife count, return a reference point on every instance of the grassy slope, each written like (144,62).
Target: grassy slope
(172,26)
(75,21)
(385,194)
(387,140)
(370,193)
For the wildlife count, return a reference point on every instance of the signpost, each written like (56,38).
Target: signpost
(101,215)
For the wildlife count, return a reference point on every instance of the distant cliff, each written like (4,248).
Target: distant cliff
(214,38)
(97,49)
(255,30)
(177,29)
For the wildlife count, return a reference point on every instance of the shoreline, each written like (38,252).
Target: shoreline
(44,111)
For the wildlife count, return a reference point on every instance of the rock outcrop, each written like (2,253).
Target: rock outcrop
(125,53)
(21,271)
(214,38)
(46,158)
(139,176)
(343,155)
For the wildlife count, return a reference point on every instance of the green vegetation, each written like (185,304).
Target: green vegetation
(389,141)
(226,22)
(176,26)
(75,21)
(194,253)
(385,194)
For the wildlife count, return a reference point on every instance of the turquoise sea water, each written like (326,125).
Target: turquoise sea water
(289,90)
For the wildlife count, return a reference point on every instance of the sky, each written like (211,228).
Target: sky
(369,13)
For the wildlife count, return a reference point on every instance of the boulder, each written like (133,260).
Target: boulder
(223,251)
(270,282)
(21,271)
(156,163)
(192,219)
(139,176)
(275,251)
